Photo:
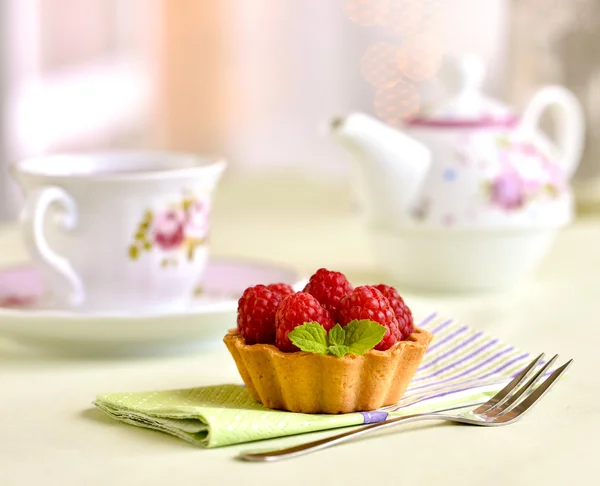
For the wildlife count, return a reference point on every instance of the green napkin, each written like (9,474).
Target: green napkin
(462,366)
(214,416)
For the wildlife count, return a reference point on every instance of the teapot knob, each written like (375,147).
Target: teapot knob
(463,74)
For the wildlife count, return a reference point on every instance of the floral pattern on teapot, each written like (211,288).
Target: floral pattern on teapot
(467,161)
(510,190)
(488,177)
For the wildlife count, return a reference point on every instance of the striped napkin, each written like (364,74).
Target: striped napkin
(462,366)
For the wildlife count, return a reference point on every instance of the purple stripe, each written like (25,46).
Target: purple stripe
(481,378)
(449,337)
(374,417)
(470,370)
(461,360)
(541,363)
(506,365)
(449,389)
(444,394)
(442,326)
(451,351)
(468,384)
(427,320)
(548,373)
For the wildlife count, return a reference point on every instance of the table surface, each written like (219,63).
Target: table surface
(50,434)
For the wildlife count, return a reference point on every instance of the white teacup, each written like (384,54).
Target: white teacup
(122,231)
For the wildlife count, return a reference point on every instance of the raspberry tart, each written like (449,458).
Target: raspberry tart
(329,349)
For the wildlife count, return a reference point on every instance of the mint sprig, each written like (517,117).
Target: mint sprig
(311,337)
(337,336)
(357,337)
(363,335)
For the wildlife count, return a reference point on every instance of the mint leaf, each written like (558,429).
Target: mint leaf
(357,337)
(361,336)
(337,336)
(338,350)
(310,337)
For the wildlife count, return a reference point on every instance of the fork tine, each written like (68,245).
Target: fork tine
(505,392)
(535,397)
(505,405)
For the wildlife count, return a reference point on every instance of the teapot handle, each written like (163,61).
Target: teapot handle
(568,119)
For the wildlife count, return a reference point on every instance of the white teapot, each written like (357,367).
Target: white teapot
(468,196)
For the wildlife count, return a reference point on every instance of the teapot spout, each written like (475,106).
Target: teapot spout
(391,167)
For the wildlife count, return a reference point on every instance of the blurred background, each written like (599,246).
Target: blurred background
(256,79)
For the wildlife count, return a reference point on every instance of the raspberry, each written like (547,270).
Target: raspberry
(403,314)
(367,302)
(295,310)
(282,288)
(256,314)
(328,288)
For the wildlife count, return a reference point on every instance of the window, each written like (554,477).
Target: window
(78,74)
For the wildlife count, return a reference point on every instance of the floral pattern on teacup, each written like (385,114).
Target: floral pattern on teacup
(179,229)
(16,301)
(168,229)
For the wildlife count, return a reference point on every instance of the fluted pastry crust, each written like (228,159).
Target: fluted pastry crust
(315,383)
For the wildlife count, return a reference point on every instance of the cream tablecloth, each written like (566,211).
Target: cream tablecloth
(49,433)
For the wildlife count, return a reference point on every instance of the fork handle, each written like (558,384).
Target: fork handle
(317,445)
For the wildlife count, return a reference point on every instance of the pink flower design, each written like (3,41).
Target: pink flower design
(169,230)
(197,220)
(527,149)
(16,301)
(531,186)
(508,191)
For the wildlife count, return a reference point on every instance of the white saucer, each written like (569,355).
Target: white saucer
(25,318)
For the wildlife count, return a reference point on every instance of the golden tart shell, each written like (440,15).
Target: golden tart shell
(315,383)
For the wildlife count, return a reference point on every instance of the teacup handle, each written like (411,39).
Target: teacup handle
(33,219)
(569,123)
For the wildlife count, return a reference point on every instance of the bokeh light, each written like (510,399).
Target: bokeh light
(414,54)
(379,66)
(397,103)
(420,57)
(367,12)
(409,17)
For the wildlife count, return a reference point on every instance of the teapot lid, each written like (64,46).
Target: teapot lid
(466,106)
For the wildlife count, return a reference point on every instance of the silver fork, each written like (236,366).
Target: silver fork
(505,407)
